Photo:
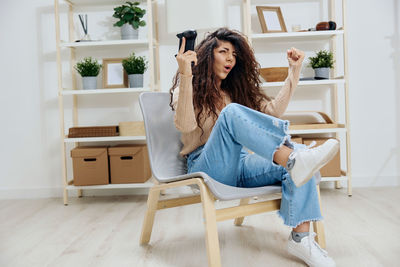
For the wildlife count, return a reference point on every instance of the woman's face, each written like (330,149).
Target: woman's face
(224,59)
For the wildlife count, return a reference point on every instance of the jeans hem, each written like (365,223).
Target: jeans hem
(313,219)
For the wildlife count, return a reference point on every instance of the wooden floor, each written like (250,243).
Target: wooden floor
(104,231)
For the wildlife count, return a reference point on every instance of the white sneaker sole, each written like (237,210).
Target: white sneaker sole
(324,160)
(293,251)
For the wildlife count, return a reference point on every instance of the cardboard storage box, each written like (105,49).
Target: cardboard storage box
(129,164)
(132,128)
(332,169)
(90,165)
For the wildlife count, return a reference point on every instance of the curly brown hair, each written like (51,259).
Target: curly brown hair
(242,84)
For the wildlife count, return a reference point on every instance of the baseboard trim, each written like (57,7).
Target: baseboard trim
(57,192)
(367,181)
(30,192)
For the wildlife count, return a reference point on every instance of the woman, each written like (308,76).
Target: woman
(220,111)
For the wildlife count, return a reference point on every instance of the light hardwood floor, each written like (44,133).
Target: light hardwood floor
(104,231)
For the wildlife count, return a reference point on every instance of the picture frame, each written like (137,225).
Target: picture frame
(114,75)
(271,19)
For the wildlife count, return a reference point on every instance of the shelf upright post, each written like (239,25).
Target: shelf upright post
(334,92)
(332,46)
(72,62)
(247,20)
(150,39)
(346,89)
(71,30)
(60,101)
(156,47)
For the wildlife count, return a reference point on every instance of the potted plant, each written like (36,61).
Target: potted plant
(322,63)
(135,66)
(129,16)
(88,68)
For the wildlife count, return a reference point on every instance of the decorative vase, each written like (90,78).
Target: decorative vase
(135,80)
(89,82)
(128,32)
(321,73)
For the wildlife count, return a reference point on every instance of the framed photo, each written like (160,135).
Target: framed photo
(114,75)
(271,19)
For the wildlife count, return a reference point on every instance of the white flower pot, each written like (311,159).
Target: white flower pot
(89,82)
(128,32)
(135,80)
(322,73)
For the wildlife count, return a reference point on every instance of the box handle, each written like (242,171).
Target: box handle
(126,157)
(90,159)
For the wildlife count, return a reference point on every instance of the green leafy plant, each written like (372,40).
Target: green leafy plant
(130,14)
(323,59)
(135,64)
(88,67)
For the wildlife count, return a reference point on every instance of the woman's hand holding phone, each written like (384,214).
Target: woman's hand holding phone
(185,59)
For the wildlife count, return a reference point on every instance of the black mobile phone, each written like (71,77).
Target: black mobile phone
(190,36)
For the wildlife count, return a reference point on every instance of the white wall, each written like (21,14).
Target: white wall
(30,158)
(374,66)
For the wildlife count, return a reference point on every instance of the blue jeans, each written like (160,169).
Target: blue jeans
(225,158)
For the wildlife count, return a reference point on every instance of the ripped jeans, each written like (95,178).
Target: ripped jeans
(225,158)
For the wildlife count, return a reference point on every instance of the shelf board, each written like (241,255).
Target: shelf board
(306,36)
(305,83)
(105,139)
(139,42)
(97,2)
(103,91)
(316,128)
(147,184)
(332,179)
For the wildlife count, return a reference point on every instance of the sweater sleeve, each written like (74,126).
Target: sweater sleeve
(182,101)
(277,106)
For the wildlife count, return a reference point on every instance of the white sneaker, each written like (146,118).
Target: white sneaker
(310,252)
(309,161)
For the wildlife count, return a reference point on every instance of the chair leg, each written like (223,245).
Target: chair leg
(147,227)
(319,226)
(239,221)
(338,185)
(155,181)
(210,221)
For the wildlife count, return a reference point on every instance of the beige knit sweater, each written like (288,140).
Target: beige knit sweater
(185,116)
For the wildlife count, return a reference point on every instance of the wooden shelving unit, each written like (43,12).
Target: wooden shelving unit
(289,39)
(149,43)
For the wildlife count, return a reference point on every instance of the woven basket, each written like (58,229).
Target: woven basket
(275,74)
(93,131)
